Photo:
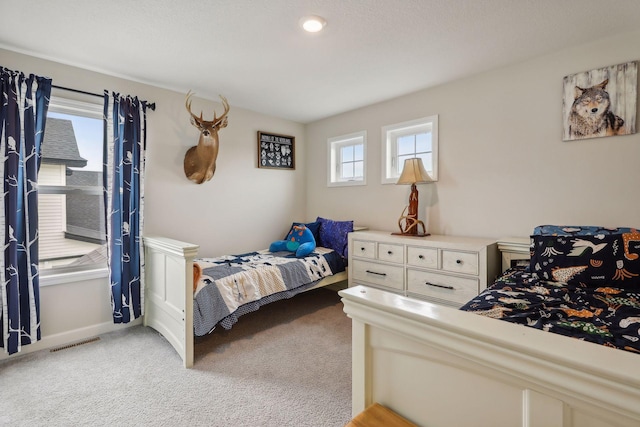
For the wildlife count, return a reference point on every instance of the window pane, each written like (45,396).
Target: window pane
(359,169)
(359,152)
(406,145)
(71,225)
(347,170)
(347,153)
(423,142)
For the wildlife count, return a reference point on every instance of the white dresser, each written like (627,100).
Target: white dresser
(448,270)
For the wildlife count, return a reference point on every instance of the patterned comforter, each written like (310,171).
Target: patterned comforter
(233,285)
(604,315)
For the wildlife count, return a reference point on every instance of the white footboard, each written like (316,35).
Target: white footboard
(438,366)
(168,300)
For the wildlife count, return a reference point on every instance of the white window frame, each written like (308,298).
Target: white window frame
(334,161)
(390,133)
(61,275)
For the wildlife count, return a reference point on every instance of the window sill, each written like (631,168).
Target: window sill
(346,183)
(76,276)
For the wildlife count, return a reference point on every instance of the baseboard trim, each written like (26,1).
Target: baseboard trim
(70,337)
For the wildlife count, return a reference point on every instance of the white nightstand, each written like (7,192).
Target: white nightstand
(448,270)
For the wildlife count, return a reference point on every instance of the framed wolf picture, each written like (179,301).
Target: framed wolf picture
(600,102)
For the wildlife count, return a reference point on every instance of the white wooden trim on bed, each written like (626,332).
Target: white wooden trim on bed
(168,300)
(438,366)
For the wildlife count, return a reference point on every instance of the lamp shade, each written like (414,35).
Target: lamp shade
(414,172)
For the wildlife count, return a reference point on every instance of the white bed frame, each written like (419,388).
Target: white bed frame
(168,294)
(438,366)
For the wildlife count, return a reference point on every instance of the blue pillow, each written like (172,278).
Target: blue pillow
(333,235)
(590,256)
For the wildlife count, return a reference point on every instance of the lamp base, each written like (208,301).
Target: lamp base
(411,235)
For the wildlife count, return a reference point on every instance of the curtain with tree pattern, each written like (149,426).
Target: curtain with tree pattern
(125,144)
(23,112)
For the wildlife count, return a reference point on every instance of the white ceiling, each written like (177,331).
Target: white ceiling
(254,52)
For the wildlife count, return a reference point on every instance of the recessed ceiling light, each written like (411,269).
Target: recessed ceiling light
(313,23)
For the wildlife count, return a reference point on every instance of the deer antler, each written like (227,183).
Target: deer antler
(187,104)
(225,104)
(213,123)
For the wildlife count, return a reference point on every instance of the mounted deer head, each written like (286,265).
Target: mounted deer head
(200,160)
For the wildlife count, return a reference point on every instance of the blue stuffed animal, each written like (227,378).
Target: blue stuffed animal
(300,241)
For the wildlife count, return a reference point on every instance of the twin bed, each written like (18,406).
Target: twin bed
(439,366)
(185,296)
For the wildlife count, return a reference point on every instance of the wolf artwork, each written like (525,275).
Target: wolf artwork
(591,114)
(600,102)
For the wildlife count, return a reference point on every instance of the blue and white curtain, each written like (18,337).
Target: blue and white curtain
(125,144)
(23,111)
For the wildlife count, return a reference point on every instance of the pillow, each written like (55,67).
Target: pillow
(577,230)
(591,256)
(313,226)
(333,235)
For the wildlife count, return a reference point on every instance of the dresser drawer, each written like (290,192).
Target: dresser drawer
(422,257)
(460,262)
(391,253)
(457,290)
(364,249)
(391,276)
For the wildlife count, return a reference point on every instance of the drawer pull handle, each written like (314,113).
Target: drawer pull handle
(389,253)
(421,256)
(439,286)
(374,272)
(458,261)
(362,249)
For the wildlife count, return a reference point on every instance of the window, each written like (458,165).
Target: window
(346,160)
(70,197)
(416,138)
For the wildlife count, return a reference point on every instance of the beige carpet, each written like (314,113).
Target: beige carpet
(289,364)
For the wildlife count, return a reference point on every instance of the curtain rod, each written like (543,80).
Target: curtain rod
(150,105)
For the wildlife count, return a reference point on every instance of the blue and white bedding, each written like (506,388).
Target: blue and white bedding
(233,285)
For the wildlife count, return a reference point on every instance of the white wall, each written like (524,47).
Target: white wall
(242,208)
(503,166)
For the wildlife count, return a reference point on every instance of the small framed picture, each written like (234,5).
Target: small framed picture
(276,151)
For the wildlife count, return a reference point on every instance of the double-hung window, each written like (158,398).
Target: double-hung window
(70,189)
(347,160)
(415,138)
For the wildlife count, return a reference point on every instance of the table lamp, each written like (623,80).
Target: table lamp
(413,173)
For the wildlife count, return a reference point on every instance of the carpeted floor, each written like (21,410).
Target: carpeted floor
(289,364)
